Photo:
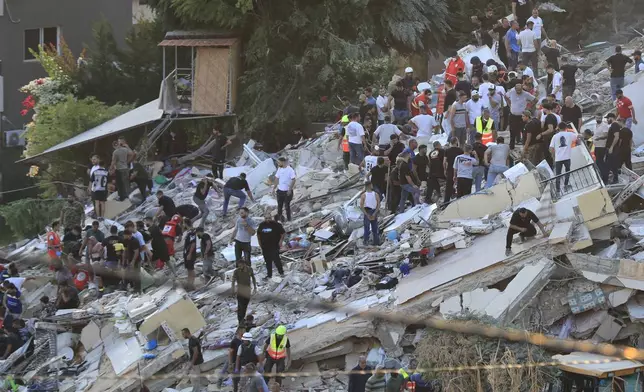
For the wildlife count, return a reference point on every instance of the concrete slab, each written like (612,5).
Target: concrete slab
(123,353)
(335,350)
(114,208)
(449,266)
(476,301)
(608,330)
(616,272)
(521,290)
(619,297)
(596,208)
(178,315)
(560,233)
(586,322)
(581,238)
(91,336)
(451,306)
(493,200)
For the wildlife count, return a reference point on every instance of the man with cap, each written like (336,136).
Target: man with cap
(474,109)
(277,349)
(637,59)
(246,353)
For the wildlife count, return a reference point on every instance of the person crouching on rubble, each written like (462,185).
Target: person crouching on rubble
(11,302)
(370,205)
(520,223)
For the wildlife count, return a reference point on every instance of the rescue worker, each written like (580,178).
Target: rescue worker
(171,231)
(278,353)
(343,142)
(54,249)
(246,353)
(420,103)
(485,126)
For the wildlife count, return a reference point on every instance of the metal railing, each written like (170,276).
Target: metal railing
(585,177)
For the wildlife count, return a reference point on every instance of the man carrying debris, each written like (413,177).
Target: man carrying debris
(370,205)
(463,170)
(241,288)
(283,186)
(270,235)
(196,359)
(166,205)
(520,223)
(235,186)
(242,234)
(561,148)
(278,352)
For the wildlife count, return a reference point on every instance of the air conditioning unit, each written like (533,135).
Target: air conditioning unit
(15,138)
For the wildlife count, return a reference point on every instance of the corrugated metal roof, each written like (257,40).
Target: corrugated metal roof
(212,42)
(136,117)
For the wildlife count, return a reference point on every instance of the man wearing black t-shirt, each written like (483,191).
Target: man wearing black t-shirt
(502,30)
(396,148)
(436,172)
(421,162)
(378,177)
(625,144)
(550,125)
(400,105)
(617,66)
(235,186)
(450,155)
(190,254)
(613,156)
(196,359)
(166,205)
(219,153)
(533,149)
(520,223)
(571,113)
(522,10)
(132,260)
(568,71)
(270,235)
(207,253)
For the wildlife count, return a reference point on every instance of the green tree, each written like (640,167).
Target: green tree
(57,123)
(28,217)
(293,50)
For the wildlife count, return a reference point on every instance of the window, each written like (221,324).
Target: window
(47,36)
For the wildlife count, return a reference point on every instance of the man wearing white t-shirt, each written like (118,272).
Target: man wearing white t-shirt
(425,123)
(557,83)
(356,134)
(283,187)
(484,90)
(528,44)
(539,30)
(382,135)
(474,109)
(382,104)
(561,149)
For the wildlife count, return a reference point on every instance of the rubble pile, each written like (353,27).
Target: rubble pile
(581,280)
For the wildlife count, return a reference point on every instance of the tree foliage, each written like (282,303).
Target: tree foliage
(129,74)
(293,50)
(27,217)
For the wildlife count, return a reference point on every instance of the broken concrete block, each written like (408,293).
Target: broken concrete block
(608,330)
(173,353)
(581,238)
(619,297)
(560,233)
(178,315)
(585,323)
(451,306)
(526,285)
(114,208)
(635,308)
(91,336)
(213,359)
(318,265)
(338,349)
(476,301)
(596,208)
(390,335)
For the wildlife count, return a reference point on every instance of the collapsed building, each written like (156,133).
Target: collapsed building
(582,281)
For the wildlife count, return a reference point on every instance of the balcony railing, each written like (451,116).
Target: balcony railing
(585,177)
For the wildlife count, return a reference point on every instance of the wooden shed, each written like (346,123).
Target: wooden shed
(204,78)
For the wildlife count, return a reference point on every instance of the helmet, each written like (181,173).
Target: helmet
(409,70)
(492,68)
(345,119)
(281,330)
(176,218)
(247,336)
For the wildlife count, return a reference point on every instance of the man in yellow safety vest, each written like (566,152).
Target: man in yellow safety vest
(344,141)
(278,353)
(485,126)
